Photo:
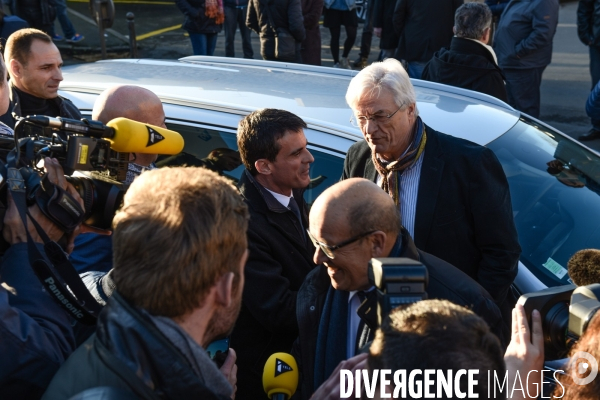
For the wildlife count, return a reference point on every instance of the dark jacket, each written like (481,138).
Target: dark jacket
(196,20)
(39,14)
(383,13)
(235,3)
(10,24)
(445,282)
(523,38)
(128,352)
(279,260)
(66,107)
(286,14)
(464,211)
(36,336)
(497,6)
(311,46)
(424,26)
(588,22)
(468,65)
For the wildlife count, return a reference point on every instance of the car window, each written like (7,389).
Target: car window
(555,190)
(216,149)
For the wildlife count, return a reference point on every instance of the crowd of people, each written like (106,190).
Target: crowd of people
(192,259)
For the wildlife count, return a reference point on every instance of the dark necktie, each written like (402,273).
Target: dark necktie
(293,206)
(367,311)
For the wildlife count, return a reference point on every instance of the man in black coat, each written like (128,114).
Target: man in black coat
(453,194)
(469,63)
(588,30)
(273,149)
(350,223)
(424,26)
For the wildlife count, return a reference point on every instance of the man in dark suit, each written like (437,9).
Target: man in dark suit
(469,62)
(273,149)
(424,27)
(452,194)
(350,223)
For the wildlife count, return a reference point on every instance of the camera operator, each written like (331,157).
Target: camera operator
(180,248)
(36,334)
(93,252)
(350,223)
(34,65)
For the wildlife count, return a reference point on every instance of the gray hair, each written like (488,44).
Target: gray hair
(471,20)
(389,74)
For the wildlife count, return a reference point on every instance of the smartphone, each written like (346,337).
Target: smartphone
(218,351)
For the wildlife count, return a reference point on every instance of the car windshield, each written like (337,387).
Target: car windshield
(555,190)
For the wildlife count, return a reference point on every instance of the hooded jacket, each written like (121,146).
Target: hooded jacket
(588,22)
(469,65)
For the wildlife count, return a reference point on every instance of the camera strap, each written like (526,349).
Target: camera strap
(54,270)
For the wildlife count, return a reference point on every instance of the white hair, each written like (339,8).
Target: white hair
(389,74)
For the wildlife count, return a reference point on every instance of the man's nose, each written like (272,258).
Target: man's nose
(319,257)
(58,75)
(309,158)
(370,126)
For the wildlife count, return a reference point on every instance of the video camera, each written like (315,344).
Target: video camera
(82,145)
(566,312)
(398,281)
(101,150)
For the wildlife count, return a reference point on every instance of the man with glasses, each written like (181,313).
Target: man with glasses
(350,223)
(273,149)
(452,194)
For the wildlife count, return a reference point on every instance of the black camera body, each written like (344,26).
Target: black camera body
(566,312)
(78,146)
(398,281)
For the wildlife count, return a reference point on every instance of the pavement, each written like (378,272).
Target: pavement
(565,86)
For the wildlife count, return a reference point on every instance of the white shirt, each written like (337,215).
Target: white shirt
(490,48)
(353,321)
(282,198)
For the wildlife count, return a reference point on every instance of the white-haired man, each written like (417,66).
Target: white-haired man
(452,194)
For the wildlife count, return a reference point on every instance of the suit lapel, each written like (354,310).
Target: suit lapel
(429,187)
(370,171)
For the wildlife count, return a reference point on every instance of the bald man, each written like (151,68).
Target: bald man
(138,104)
(350,223)
(93,252)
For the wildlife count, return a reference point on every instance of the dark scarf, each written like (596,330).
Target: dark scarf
(32,105)
(391,172)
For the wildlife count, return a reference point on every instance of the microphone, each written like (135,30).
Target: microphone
(584,267)
(135,137)
(280,376)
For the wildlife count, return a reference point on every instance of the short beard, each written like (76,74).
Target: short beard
(223,320)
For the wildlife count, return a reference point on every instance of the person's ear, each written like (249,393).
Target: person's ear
(486,35)
(15,68)
(454,30)
(378,240)
(224,289)
(263,166)
(410,110)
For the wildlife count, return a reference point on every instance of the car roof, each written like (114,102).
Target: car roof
(315,93)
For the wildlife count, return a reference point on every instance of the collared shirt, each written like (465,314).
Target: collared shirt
(487,46)
(353,321)
(282,198)
(409,189)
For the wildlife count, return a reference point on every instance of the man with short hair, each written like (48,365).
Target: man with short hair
(273,149)
(179,252)
(452,194)
(469,63)
(350,223)
(34,65)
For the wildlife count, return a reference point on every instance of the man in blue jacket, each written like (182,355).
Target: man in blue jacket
(523,44)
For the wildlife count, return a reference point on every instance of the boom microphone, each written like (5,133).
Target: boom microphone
(584,267)
(124,135)
(135,137)
(280,376)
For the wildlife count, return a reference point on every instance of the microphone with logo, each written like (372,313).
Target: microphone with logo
(280,376)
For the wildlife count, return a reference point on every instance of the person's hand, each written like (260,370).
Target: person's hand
(525,352)
(330,389)
(14,231)
(229,369)
(377,32)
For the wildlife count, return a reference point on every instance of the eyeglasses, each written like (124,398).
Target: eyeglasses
(379,119)
(328,250)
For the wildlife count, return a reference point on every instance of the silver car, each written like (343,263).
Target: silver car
(554,180)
